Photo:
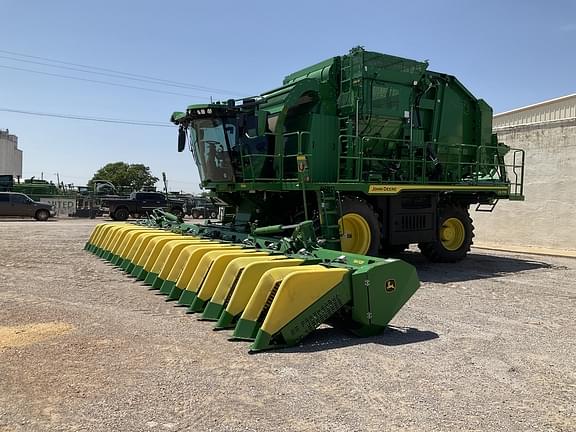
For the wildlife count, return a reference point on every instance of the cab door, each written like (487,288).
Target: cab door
(21,205)
(5,205)
(151,201)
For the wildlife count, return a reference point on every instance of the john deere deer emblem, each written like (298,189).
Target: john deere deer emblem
(390,285)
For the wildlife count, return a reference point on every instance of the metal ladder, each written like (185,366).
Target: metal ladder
(329,205)
(488,208)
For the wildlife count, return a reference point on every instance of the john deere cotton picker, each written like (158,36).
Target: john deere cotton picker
(356,157)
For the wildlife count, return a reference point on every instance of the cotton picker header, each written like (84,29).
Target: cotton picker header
(269,290)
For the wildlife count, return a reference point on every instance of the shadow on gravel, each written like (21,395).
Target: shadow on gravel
(9,219)
(328,338)
(475,266)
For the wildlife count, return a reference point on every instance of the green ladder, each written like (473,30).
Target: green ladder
(329,205)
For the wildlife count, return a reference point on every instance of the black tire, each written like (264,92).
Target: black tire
(365,210)
(121,214)
(436,251)
(42,215)
(195,214)
(213,215)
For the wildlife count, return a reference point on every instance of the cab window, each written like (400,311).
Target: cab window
(20,199)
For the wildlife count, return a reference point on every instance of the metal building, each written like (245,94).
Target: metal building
(546,131)
(10,155)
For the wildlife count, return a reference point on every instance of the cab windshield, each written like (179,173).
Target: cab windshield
(212,140)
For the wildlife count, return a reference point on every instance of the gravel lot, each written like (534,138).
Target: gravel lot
(484,345)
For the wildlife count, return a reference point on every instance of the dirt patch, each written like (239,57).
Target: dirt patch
(22,335)
(484,345)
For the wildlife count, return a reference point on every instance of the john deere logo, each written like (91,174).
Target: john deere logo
(390,285)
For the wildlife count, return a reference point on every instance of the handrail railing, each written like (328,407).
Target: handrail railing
(278,160)
(371,159)
(420,159)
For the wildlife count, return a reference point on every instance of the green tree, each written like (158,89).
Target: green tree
(123,175)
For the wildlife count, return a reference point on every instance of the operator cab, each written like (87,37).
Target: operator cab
(213,135)
(223,138)
(212,141)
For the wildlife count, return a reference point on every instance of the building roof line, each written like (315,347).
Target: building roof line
(527,107)
(537,123)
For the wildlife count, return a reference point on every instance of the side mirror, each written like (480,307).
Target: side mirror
(181,139)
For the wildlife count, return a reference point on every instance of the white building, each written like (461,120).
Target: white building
(561,109)
(546,131)
(10,155)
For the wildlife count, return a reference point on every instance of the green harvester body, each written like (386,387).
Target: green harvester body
(362,129)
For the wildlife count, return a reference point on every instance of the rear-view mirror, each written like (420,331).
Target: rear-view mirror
(181,139)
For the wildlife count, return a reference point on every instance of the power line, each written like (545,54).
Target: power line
(113,75)
(89,118)
(128,74)
(100,82)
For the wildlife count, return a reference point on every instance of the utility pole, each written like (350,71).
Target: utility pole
(165,184)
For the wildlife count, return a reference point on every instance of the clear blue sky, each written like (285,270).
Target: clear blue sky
(510,53)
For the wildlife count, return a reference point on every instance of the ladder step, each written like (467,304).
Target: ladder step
(488,208)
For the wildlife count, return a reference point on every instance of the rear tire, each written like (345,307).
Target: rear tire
(42,215)
(360,227)
(121,214)
(455,234)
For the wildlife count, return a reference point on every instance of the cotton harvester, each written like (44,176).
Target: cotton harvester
(354,158)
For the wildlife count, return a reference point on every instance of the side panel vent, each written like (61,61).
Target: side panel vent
(413,222)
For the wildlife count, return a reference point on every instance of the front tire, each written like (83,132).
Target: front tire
(121,214)
(359,227)
(42,215)
(454,236)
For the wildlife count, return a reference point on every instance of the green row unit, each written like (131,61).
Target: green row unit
(381,137)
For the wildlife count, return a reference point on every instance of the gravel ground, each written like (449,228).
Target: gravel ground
(484,345)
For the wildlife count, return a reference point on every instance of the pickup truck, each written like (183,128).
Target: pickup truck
(141,203)
(200,207)
(18,204)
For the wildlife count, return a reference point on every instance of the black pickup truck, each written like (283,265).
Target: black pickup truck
(140,204)
(204,207)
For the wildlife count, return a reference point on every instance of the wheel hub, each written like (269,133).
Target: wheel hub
(452,234)
(356,235)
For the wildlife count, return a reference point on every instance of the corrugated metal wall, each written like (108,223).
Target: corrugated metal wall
(563,108)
